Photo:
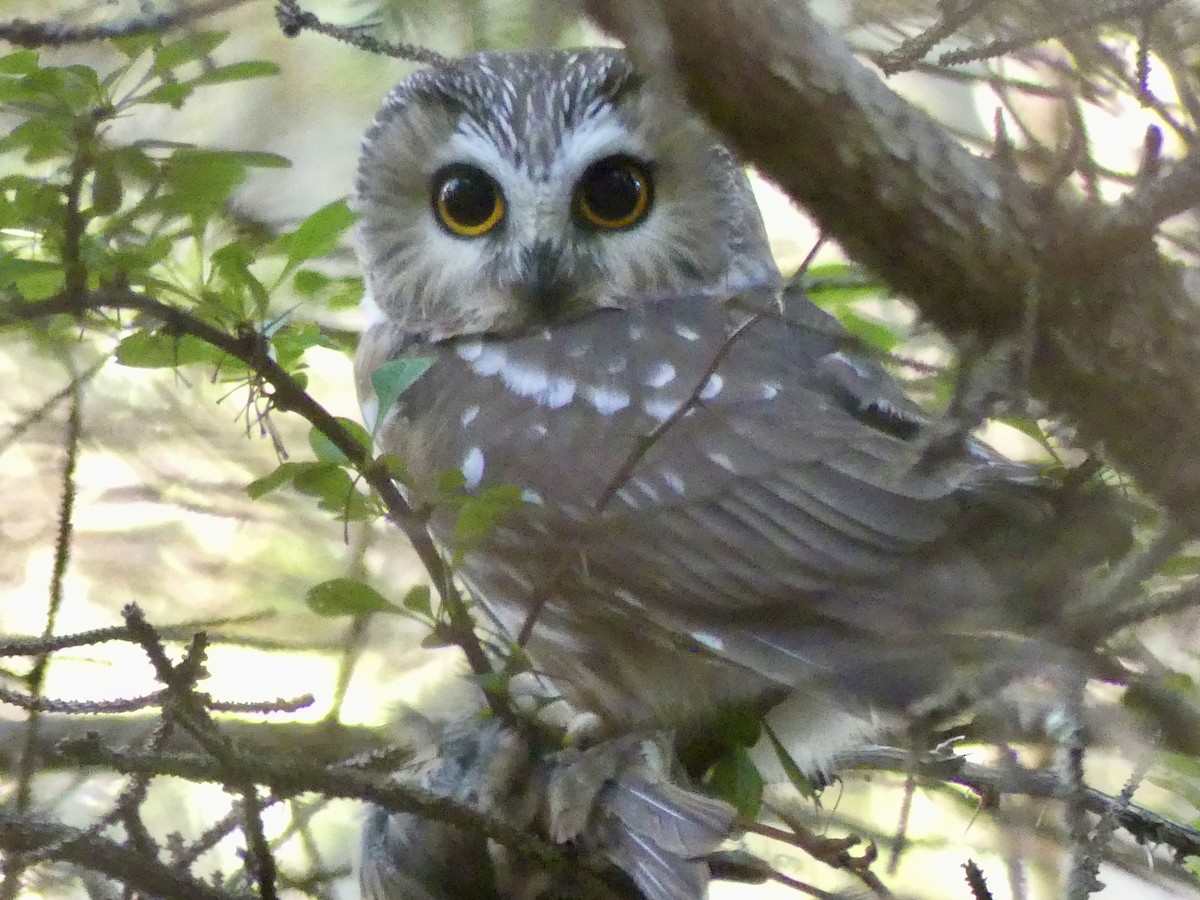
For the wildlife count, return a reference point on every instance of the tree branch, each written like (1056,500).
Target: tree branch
(1117,341)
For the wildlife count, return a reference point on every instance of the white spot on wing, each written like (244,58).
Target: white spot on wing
(524,381)
(660,409)
(626,496)
(659,374)
(674,482)
(688,334)
(769,389)
(531,496)
(712,387)
(722,460)
(370,412)
(490,361)
(469,415)
(558,393)
(472,467)
(711,641)
(372,314)
(646,488)
(469,350)
(607,400)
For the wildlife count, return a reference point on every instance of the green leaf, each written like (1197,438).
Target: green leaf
(870,332)
(239,71)
(799,780)
(736,779)
(478,515)
(1181,564)
(232,264)
(158,349)
(318,235)
(41,138)
(134,45)
(346,597)
(327,451)
(172,94)
(200,181)
(419,600)
(736,727)
(106,186)
(393,378)
(14,269)
(187,49)
(283,474)
(23,62)
(40,285)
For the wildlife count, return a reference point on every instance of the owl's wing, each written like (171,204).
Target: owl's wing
(730,471)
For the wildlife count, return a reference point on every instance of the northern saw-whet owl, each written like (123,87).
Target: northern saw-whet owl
(725,501)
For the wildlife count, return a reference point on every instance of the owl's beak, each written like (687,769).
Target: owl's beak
(544,287)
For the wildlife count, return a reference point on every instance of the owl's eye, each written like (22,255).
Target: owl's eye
(467,200)
(614,193)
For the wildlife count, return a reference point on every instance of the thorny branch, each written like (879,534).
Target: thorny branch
(24,33)
(1116,344)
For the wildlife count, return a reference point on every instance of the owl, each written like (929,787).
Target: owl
(725,503)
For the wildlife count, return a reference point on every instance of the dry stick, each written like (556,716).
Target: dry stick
(914,48)
(27,766)
(1050,31)
(1117,343)
(187,709)
(293,775)
(1145,826)
(833,853)
(144,874)
(293,20)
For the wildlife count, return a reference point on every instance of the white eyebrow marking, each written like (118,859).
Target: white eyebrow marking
(472,467)
(674,482)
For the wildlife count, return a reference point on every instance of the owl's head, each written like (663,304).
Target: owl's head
(506,191)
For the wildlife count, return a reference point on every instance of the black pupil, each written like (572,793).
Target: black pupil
(611,190)
(469,198)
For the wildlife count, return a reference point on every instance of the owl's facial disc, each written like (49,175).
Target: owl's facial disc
(545,235)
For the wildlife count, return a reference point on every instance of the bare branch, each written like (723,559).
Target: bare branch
(1118,335)
(24,33)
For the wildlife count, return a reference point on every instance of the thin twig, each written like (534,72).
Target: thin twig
(24,33)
